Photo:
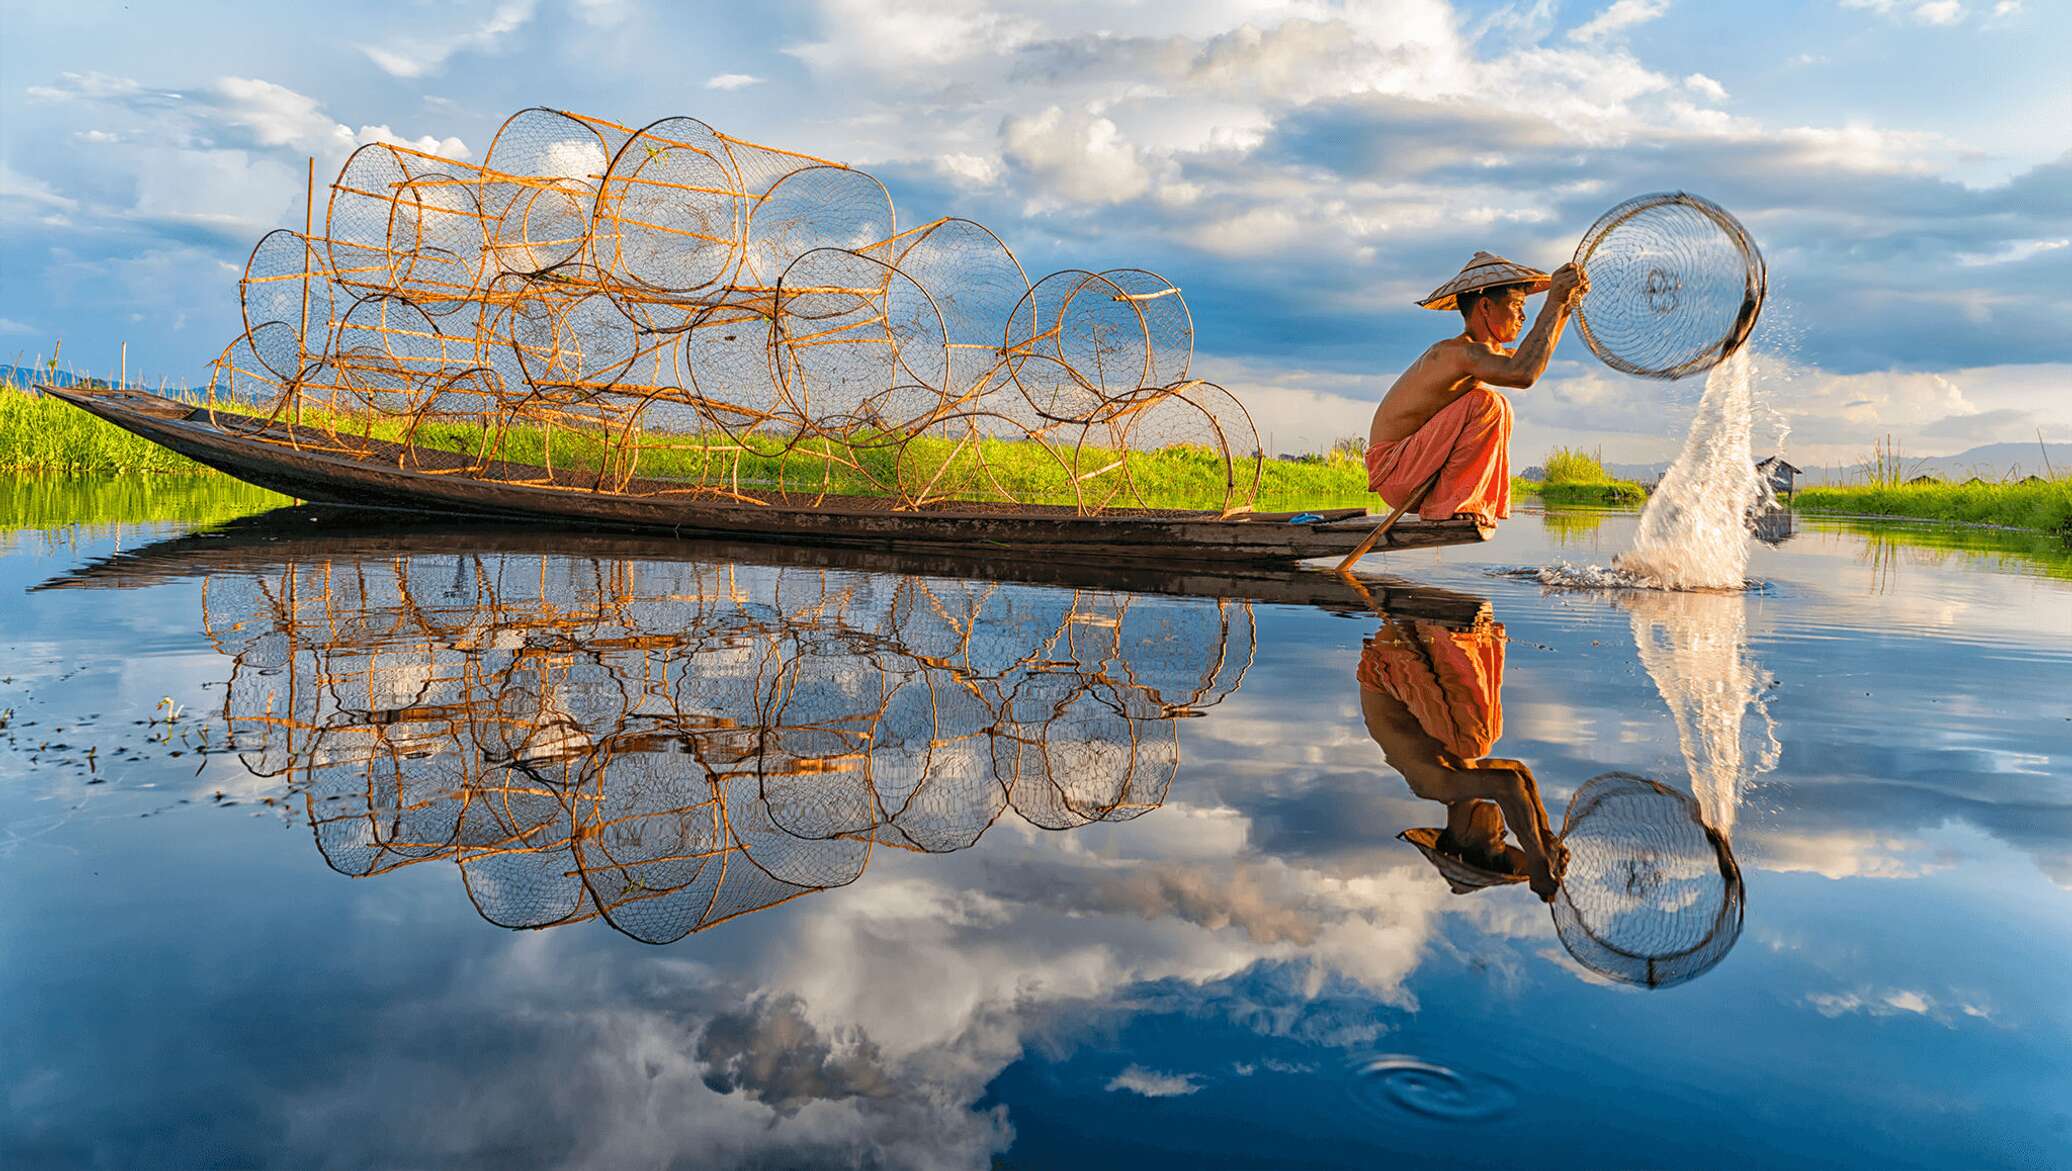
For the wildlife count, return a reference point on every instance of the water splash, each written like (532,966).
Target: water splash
(1694,532)
(1695,648)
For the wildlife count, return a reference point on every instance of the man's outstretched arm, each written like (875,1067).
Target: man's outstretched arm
(1523,366)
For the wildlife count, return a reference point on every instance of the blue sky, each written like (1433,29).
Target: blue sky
(1303,170)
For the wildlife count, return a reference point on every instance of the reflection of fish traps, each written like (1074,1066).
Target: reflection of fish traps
(667,745)
(668,310)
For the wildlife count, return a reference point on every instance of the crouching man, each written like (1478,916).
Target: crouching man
(1444,417)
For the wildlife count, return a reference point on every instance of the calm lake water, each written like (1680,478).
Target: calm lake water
(326,845)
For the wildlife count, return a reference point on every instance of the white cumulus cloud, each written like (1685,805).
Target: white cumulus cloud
(427,55)
(1077,156)
(1699,83)
(1616,19)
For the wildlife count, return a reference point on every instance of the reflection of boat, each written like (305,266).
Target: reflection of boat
(314,532)
(1160,537)
(668,744)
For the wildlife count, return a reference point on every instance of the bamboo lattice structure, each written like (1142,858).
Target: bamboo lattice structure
(672,310)
(668,745)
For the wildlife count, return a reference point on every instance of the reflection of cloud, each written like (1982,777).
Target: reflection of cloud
(602,1064)
(771,1053)
(1945,1011)
(1212,898)
(1842,853)
(1138,1080)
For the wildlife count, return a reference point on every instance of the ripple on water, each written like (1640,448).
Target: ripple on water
(1397,1081)
(1564,575)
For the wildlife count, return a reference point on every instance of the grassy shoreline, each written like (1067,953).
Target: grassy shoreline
(49,502)
(2042,506)
(43,436)
(1604,492)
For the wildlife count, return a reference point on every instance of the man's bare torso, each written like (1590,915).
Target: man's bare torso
(1425,389)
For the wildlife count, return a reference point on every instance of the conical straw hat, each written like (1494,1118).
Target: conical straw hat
(1462,875)
(1483,270)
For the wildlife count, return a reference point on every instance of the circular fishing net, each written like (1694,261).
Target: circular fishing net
(1676,284)
(1651,895)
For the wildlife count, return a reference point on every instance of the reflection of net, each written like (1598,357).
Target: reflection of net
(1675,285)
(667,745)
(670,310)
(1651,895)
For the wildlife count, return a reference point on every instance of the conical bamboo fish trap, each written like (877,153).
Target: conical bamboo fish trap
(670,310)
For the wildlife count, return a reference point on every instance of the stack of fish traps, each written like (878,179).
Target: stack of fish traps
(672,310)
(669,745)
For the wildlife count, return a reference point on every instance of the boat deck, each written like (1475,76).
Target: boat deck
(515,491)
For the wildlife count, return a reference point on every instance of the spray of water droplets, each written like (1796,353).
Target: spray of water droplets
(1694,532)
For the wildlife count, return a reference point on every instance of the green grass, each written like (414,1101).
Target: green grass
(44,435)
(1578,477)
(47,437)
(56,502)
(1567,465)
(1999,549)
(2045,506)
(1614,492)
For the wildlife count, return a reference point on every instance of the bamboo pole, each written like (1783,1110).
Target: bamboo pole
(1412,501)
(309,212)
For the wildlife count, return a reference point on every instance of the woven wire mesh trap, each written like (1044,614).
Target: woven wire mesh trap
(1676,285)
(668,745)
(1652,895)
(670,310)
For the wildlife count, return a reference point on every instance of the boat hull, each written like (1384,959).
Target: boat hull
(1111,538)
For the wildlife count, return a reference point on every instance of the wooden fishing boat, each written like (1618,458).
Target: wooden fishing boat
(1117,536)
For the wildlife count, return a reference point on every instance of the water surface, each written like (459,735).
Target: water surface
(430,847)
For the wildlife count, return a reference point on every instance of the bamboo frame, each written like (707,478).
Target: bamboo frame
(570,311)
(666,746)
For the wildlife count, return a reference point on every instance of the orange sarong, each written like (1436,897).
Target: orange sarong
(1452,680)
(1468,443)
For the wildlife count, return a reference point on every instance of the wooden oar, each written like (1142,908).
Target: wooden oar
(1380,530)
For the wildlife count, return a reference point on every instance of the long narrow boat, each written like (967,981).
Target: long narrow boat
(1130,536)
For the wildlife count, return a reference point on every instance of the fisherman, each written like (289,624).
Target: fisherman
(1444,417)
(1432,698)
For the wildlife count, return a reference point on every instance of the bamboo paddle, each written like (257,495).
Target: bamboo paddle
(1414,499)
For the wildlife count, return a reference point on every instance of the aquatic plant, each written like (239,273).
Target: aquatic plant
(1567,465)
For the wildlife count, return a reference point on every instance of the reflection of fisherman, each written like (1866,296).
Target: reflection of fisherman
(1432,698)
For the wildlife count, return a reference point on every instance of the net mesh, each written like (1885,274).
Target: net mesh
(666,745)
(1676,284)
(1652,895)
(668,310)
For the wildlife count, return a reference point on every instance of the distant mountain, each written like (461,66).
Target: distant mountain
(1638,473)
(26,376)
(1994,461)
(31,376)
